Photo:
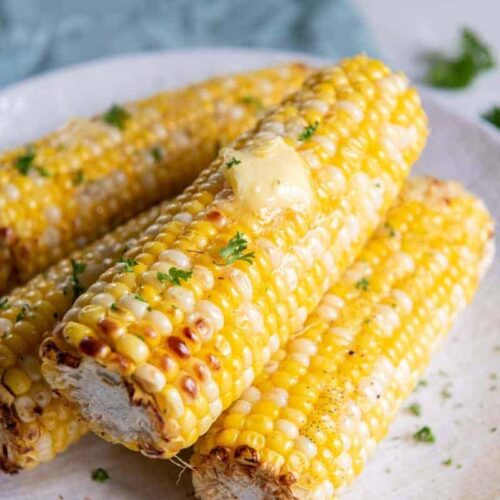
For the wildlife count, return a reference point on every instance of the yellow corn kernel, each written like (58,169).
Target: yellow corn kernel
(132,347)
(17,381)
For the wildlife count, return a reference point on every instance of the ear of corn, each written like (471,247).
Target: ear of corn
(202,313)
(69,188)
(307,426)
(35,425)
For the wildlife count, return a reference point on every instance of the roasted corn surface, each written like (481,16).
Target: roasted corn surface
(35,425)
(150,358)
(307,426)
(69,188)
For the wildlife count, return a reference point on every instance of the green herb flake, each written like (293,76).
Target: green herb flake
(6,335)
(117,116)
(415,409)
(174,276)
(157,154)
(232,162)
(79,178)
(493,116)
(129,264)
(142,299)
(4,304)
(447,462)
(424,435)
(25,308)
(253,101)
(308,131)
(100,475)
(445,392)
(363,284)
(43,172)
(235,249)
(77,268)
(25,162)
(460,71)
(114,307)
(390,230)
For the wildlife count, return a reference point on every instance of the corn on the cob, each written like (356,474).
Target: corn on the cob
(157,354)
(309,423)
(34,424)
(67,189)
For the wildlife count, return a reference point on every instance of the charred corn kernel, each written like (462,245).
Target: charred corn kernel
(265,226)
(76,184)
(17,381)
(378,341)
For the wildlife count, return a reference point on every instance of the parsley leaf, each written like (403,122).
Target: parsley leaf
(116,116)
(25,308)
(424,435)
(232,162)
(24,163)
(493,116)
(78,178)
(308,131)
(139,297)
(233,251)
(4,304)
(449,461)
(129,264)
(363,284)
(157,154)
(100,475)
(174,276)
(43,171)
(77,268)
(252,101)
(114,307)
(460,71)
(415,409)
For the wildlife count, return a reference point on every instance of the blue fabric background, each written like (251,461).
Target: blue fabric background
(36,35)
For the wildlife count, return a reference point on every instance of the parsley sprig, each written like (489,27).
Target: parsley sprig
(117,116)
(460,71)
(363,284)
(232,162)
(493,116)
(308,131)
(235,249)
(129,264)
(24,163)
(4,304)
(424,435)
(174,276)
(77,268)
(100,475)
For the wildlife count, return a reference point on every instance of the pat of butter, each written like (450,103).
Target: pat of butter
(275,177)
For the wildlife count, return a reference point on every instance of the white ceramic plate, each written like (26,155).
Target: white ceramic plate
(400,469)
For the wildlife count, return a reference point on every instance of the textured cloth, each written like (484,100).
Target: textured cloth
(36,35)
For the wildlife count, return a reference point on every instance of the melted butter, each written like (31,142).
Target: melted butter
(274,178)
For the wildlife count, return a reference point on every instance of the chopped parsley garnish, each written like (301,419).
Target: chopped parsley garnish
(445,392)
(6,335)
(232,162)
(142,299)
(493,116)
(252,101)
(100,475)
(4,304)
(174,276)
(308,132)
(116,116)
(43,171)
(460,71)
(114,307)
(424,435)
(235,249)
(157,154)
(129,264)
(25,161)
(363,284)
(77,268)
(415,409)
(78,178)
(449,461)
(22,313)
(390,230)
